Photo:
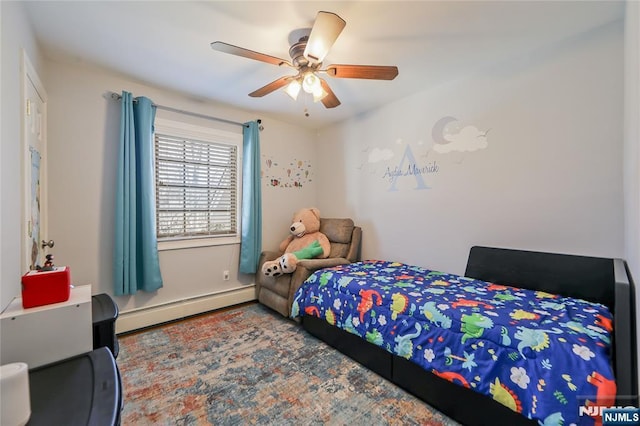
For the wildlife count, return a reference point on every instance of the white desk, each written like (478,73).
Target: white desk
(49,333)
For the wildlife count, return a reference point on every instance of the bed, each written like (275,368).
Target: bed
(522,338)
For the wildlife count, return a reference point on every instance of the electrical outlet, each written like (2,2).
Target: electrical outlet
(225,275)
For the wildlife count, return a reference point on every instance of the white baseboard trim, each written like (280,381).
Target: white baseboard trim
(134,320)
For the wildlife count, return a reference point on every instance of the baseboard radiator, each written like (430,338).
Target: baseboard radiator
(147,317)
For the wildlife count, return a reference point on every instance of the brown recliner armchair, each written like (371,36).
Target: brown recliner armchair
(278,292)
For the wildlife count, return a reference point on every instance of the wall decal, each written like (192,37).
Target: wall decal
(409,167)
(402,160)
(449,136)
(286,174)
(385,164)
(378,154)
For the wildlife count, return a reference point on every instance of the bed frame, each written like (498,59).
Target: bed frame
(603,280)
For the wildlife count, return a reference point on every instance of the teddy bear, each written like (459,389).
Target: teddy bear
(304,242)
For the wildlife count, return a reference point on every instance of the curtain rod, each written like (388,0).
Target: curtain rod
(116,96)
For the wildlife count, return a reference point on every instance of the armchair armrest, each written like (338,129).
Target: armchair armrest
(265,256)
(314,264)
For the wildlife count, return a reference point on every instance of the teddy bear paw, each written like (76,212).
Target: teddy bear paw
(288,263)
(272,269)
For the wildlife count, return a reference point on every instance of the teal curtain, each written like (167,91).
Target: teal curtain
(251,232)
(136,265)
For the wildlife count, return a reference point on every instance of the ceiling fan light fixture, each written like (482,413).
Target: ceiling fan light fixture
(293,89)
(319,94)
(311,83)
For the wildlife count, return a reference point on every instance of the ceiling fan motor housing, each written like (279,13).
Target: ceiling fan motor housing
(297,53)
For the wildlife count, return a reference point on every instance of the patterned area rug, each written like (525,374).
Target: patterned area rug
(249,365)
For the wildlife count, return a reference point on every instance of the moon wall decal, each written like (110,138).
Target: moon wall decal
(437,133)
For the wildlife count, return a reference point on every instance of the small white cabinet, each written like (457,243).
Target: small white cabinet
(46,334)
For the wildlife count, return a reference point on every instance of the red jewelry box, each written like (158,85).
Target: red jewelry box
(46,287)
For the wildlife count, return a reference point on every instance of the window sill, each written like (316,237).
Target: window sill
(179,244)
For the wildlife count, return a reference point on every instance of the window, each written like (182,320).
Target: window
(197,185)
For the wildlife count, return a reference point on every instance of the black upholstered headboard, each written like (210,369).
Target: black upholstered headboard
(588,278)
(597,279)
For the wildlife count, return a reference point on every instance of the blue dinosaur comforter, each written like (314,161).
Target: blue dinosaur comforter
(535,352)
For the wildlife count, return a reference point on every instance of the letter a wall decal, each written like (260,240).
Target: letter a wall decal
(409,170)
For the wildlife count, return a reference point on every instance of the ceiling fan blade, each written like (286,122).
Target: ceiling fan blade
(221,46)
(331,100)
(372,72)
(326,29)
(271,87)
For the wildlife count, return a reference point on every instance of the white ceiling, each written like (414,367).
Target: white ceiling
(167,43)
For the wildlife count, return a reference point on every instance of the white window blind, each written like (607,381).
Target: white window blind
(196,187)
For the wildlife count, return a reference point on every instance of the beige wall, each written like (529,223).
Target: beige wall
(83,137)
(550,178)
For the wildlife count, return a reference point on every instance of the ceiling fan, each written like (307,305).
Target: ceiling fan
(306,57)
